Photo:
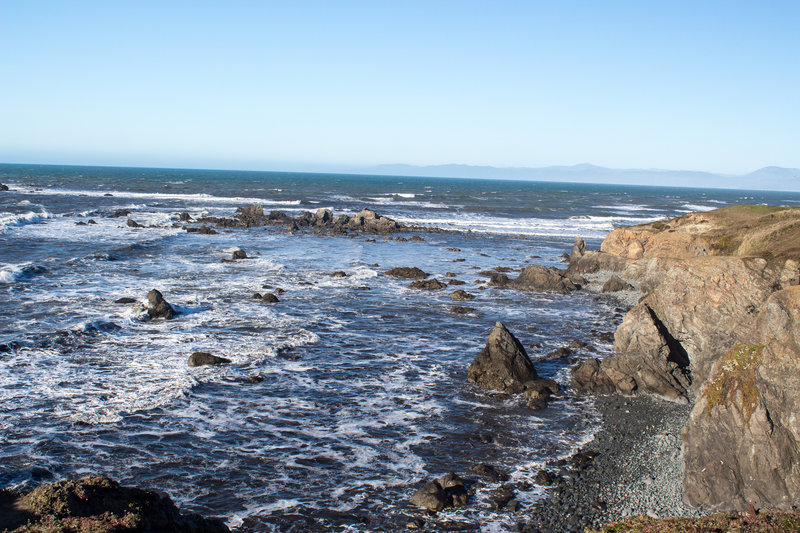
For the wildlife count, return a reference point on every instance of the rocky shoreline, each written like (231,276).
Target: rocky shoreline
(698,401)
(635,468)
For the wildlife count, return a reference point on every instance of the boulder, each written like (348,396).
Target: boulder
(431,497)
(3,187)
(339,274)
(95,503)
(269,298)
(427,284)
(503,363)
(616,284)
(461,310)
(407,273)
(157,307)
(542,278)
(133,224)
(741,444)
(239,254)
(205,358)
(461,294)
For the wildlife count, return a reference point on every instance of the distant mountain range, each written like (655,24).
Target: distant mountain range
(767,178)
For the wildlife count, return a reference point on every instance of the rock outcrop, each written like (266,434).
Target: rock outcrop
(323,221)
(674,335)
(3,187)
(536,278)
(427,285)
(407,273)
(719,326)
(742,442)
(100,504)
(504,365)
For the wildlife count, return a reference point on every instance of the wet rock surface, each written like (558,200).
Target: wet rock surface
(97,504)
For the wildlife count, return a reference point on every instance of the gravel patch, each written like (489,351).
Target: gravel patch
(636,469)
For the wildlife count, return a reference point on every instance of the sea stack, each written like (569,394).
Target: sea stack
(503,364)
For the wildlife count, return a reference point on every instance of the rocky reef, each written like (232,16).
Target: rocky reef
(717,327)
(98,505)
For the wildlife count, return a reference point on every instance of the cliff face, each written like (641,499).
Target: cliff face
(719,326)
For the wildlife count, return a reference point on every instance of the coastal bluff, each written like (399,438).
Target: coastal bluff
(717,326)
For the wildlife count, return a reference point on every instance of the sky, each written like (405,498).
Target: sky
(300,85)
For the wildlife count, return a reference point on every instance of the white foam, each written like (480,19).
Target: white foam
(585,226)
(697,207)
(8,220)
(187,197)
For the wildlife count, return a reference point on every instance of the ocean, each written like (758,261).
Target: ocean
(342,398)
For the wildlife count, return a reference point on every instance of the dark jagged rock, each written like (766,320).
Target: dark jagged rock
(3,187)
(239,254)
(269,298)
(461,310)
(339,274)
(133,224)
(578,250)
(125,300)
(427,285)
(616,284)
(157,307)
(407,273)
(456,282)
(461,294)
(488,472)
(205,358)
(202,230)
(98,503)
(184,217)
(503,363)
(119,213)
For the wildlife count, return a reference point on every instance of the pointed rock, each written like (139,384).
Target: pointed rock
(503,363)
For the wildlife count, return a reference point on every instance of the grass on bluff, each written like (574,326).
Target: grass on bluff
(771,232)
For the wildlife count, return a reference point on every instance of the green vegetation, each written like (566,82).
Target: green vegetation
(736,373)
(763,522)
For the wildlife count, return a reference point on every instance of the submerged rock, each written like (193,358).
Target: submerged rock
(427,285)
(461,294)
(205,358)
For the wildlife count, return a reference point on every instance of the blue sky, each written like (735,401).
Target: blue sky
(315,85)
